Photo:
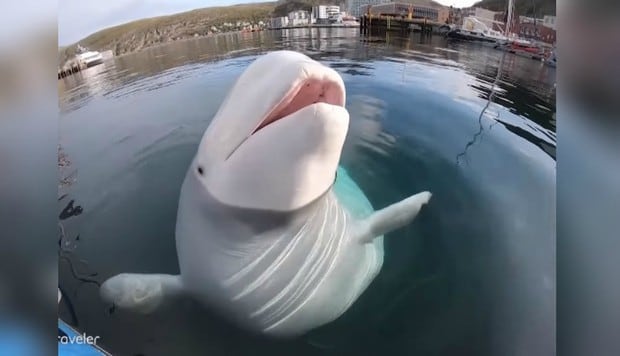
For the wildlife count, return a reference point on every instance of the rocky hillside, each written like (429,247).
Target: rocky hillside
(137,35)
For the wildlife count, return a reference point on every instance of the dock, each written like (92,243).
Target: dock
(78,64)
(69,69)
(338,25)
(397,23)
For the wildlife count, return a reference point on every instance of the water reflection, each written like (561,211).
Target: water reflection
(525,83)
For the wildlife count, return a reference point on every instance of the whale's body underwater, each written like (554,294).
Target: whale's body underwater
(263,234)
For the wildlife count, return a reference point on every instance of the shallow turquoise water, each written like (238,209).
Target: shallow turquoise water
(474,274)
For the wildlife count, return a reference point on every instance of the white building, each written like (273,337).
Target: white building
(326,14)
(549,21)
(298,18)
(483,15)
(319,13)
(403,8)
(279,22)
(354,6)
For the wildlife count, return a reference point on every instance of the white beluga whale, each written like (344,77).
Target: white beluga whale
(267,232)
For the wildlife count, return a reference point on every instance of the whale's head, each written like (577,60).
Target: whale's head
(276,140)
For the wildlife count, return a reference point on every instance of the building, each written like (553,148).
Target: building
(443,14)
(323,14)
(403,9)
(354,7)
(319,14)
(485,16)
(298,18)
(279,22)
(536,31)
(527,19)
(549,21)
(500,22)
(454,15)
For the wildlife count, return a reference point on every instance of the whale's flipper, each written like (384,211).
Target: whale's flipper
(140,292)
(392,217)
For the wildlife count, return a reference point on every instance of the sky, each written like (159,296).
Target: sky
(80,18)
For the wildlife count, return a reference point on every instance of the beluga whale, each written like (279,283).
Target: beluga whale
(271,232)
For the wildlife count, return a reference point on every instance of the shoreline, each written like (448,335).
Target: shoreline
(315,26)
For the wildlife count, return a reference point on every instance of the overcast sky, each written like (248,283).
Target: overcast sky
(80,18)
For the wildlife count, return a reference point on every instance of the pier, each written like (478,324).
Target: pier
(70,68)
(398,23)
(338,25)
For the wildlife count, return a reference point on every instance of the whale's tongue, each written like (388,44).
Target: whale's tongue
(307,93)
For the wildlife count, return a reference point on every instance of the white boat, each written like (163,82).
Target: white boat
(87,57)
(90,58)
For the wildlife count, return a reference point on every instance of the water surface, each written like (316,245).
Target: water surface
(473,275)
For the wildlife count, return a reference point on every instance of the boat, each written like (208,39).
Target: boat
(523,49)
(90,58)
(87,57)
(475,30)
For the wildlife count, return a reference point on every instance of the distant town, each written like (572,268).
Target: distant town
(529,36)
(541,29)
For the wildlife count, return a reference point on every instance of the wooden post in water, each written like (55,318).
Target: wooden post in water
(362,19)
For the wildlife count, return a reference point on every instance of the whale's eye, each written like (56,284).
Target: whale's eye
(200,170)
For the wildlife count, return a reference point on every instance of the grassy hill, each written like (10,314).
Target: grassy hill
(137,35)
(140,34)
(537,8)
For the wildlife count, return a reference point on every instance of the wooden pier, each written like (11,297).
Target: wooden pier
(70,68)
(398,23)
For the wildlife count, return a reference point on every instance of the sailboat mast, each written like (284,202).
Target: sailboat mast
(509,18)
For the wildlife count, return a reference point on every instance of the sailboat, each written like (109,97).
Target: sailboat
(516,45)
(477,31)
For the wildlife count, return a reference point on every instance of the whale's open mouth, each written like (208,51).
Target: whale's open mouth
(308,92)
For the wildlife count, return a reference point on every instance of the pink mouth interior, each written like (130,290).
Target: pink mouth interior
(309,92)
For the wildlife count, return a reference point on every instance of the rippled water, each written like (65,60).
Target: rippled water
(474,274)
